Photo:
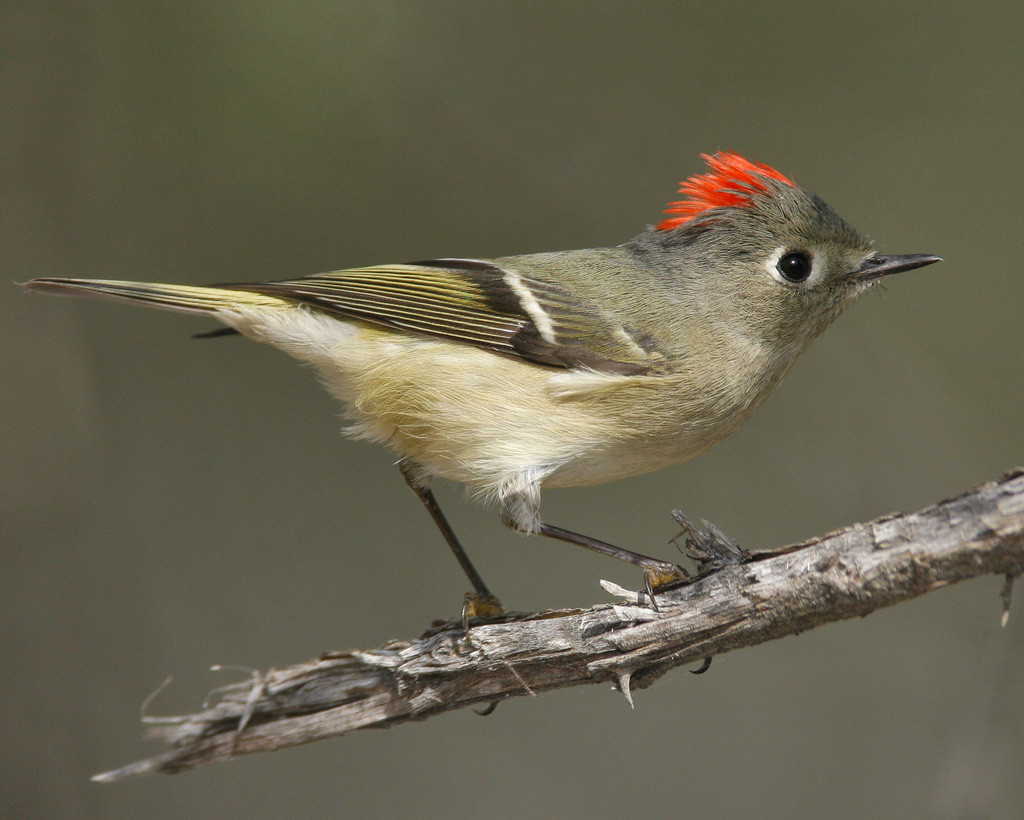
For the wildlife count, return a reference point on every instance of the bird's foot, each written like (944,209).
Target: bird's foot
(659,575)
(477,607)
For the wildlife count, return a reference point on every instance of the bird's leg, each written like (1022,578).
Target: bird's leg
(520,510)
(656,573)
(481,603)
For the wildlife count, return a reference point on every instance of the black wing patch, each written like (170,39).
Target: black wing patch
(477,303)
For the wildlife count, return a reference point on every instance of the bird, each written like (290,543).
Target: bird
(570,368)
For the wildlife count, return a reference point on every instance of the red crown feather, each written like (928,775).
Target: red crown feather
(730,183)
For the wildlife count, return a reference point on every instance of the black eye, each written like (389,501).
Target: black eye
(795,266)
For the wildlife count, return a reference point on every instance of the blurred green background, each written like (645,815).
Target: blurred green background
(168,504)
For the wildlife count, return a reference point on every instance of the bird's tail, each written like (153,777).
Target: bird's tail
(183,298)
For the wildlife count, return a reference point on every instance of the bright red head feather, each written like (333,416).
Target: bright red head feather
(729,183)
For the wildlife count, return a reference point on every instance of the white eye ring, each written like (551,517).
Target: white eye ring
(792,266)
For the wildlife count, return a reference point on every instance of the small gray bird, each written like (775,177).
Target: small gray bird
(569,368)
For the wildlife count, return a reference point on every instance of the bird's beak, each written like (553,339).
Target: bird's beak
(877,265)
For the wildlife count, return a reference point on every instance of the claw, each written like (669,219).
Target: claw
(704,667)
(660,574)
(649,588)
(479,607)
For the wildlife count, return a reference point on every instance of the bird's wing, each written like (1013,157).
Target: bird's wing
(478,303)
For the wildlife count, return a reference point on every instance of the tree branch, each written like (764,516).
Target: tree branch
(847,573)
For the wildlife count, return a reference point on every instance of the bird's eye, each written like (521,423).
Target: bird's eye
(794,266)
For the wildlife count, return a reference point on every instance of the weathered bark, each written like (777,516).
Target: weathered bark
(847,573)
